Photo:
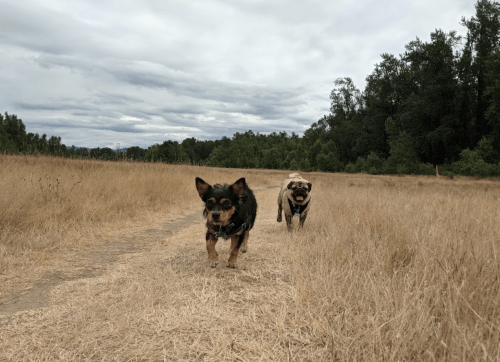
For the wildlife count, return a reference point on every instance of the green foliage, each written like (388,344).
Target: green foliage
(483,37)
(486,150)
(350,168)
(493,92)
(329,162)
(471,164)
(136,153)
(403,158)
(375,163)
(153,153)
(426,169)
(12,134)
(217,157)
(361,165)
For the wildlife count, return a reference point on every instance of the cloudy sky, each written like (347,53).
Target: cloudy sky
(137,72)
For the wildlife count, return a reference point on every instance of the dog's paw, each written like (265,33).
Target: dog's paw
(212,263)
(279,218)
(231,265)
(243,250)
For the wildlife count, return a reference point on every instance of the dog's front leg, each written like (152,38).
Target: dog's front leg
(236,241)
(244,245)
(280,210)
(280,207)
(302,218)
(288,219)
(212,253)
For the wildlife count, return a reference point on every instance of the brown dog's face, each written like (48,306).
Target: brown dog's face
(300,190)
(219,211)
(220,200)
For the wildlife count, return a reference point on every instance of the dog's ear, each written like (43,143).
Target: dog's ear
(310,185)
(239,187)
(290,185)
(202,187)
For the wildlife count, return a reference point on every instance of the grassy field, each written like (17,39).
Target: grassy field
(386,268)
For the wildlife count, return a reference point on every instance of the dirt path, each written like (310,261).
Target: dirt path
(153,297)
(93,263)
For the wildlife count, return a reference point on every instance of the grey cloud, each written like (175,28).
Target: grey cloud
(139,72)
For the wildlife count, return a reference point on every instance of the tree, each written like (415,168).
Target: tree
(82,152)
(107,153)
(327,160)
(403,159)
(136,153)
(386,90)
(431,110)
(54,144)
(13,134)
(172,151)
(6,142)
(486,150)
(483,38)
(95,152)
(343,125)
(493,92)
(346,99)
(153,153)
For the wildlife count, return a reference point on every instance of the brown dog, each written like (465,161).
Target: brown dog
(230,211)
(294,199)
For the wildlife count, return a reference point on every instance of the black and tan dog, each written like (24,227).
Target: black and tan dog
(294,199)
(230,211)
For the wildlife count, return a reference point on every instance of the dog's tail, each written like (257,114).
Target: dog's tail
(294,175)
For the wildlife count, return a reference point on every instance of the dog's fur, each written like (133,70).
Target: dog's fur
(230,211)
(294,198)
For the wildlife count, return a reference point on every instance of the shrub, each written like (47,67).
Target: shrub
(471,164)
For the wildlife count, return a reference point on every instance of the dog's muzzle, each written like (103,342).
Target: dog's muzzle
(300,194)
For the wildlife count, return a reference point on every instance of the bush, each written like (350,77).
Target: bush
(375,163)
(361,165)
(471,164)
(426,169)
(486,150)
(350,168)
(329,162)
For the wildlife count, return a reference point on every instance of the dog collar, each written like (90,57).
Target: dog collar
(226,231)
(297,209)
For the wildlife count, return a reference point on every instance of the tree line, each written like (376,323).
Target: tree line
(438,103)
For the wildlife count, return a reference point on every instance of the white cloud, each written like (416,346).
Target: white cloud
(92,72)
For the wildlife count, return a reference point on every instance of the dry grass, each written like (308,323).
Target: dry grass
(404,268)
(386,268)
(49,204)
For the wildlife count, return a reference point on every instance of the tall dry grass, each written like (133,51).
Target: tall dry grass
(403,268)
(385,269)
(48,204)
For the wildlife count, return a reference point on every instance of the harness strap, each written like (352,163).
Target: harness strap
(225,231)
(297,209)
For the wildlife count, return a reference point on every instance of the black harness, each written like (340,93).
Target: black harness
(297,209)
(236,224)
(230,229)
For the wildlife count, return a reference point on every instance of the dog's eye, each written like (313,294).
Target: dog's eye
(226,204)
(210,202)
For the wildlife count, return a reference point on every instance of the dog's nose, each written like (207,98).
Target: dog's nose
(215,215)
